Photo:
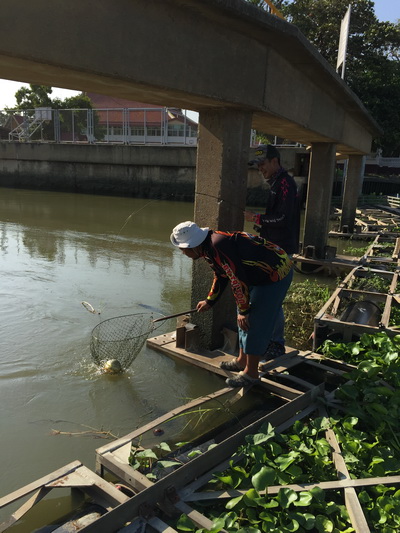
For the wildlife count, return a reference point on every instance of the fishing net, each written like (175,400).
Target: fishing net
(121,338)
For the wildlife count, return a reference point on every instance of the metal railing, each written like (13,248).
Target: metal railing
(393,201)
(117,126)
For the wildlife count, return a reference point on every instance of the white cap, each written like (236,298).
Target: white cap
(188,235)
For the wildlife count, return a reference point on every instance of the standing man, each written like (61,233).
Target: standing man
(280,224)
(259,273)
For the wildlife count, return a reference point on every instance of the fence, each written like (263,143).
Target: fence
(117,125)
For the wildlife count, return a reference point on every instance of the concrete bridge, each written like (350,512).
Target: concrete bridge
(238,66)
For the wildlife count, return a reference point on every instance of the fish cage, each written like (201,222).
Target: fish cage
(368,223)
(366,301)
(210,477)
(383,251)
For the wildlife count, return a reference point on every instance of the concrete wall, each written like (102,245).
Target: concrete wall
(165,172)
(146,171)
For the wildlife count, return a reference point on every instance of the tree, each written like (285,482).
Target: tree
(33,96)
(373,55)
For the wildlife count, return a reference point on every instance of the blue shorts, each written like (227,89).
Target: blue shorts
(266,302)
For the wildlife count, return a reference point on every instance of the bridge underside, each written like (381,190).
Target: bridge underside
(238,66)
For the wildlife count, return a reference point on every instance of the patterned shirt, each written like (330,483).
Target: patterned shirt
(243,260)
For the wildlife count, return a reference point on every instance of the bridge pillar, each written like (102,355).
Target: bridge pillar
(319,194)
(352,190)
(220,199)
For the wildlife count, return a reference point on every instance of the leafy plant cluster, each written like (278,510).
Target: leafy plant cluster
(372,398)
(356,251)
(366,422)
(302,303)
(287,512)
(372,282)
(299,456)
(381,505)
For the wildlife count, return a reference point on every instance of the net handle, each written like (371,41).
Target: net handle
(176,314)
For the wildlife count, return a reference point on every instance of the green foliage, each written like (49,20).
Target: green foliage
(356,251)
(302,303)
(300,455)
(366,422)
(372,62)
(381,505)
(371,282)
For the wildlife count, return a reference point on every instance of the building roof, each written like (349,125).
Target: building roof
(109,109)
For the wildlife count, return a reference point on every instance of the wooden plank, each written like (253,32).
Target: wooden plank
(158,525)
(103,493)
(74,475)
(111,521)
(196,517)
(211,362)
(385,318)
(27,489)
(357,517)
(324,485)
(337,456)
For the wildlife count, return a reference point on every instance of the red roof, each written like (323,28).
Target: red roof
(114,105)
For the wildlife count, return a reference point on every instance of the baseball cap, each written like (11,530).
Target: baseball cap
(264,151)
(188,235)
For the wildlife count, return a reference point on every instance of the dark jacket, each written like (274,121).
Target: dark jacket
(281,222)
(242,260)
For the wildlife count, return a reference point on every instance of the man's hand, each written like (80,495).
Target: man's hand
(202,306)
(243,322)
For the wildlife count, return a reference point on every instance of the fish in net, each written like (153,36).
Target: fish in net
(115,343)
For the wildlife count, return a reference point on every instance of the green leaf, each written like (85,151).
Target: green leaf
(185,524)
(250,498)
(304,499)
(323,524)
(286,496)
(323,447)
(318,494)
(291,526)
(230,519)
(167,464)
(286,460)
(233,502)
(164,446)
(259,438)
(194,453)
(147,454)
(264,478)
(306,520)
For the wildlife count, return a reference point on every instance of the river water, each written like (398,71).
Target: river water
(57,250)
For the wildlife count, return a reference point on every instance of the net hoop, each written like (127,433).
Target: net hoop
(121,338)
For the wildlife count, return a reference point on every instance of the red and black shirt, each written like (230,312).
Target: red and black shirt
(243,260)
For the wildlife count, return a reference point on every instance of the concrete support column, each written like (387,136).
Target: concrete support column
(352,190)
(319,194)
(220,198)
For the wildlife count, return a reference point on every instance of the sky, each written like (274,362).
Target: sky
(385,10)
